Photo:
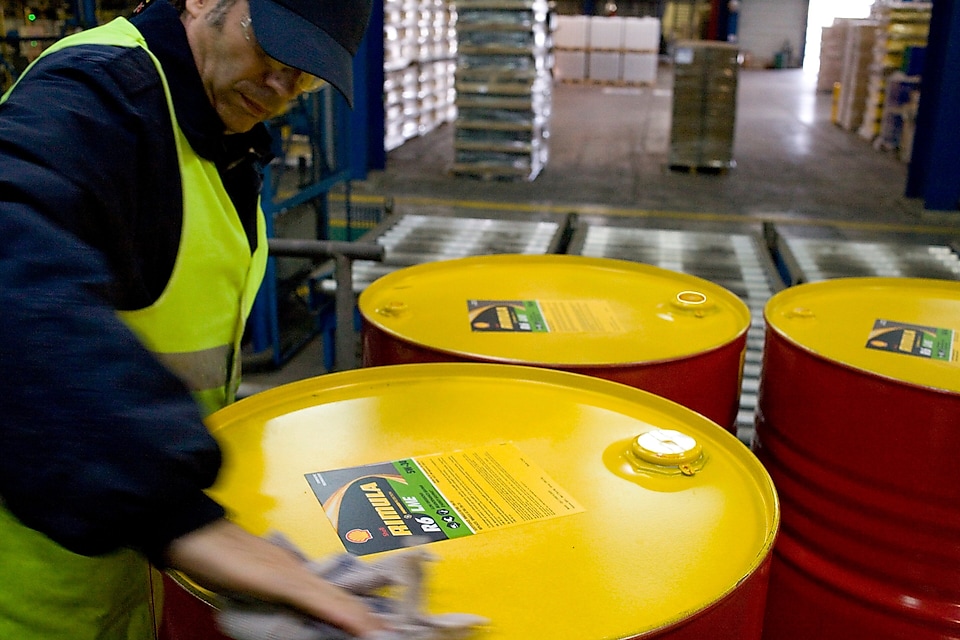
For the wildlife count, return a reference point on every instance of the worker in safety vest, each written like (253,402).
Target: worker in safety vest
(132,245)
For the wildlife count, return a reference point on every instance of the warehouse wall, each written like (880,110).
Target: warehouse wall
(764,26)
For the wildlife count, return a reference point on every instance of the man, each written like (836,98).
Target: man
(130,236)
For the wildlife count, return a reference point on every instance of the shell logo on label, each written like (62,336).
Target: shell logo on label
(358,536)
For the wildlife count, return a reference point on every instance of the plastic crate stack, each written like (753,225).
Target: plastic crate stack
(419,60)
(503,87)
(900,25)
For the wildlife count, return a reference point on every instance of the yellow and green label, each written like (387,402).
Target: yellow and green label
(915,340)
(543,316)
(390,505)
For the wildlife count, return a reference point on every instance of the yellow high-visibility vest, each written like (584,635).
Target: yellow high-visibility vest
(195,328)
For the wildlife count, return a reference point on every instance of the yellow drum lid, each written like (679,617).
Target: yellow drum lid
(554,310)
(905,329)
(601,511)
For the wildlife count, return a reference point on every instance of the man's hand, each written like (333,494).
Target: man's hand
(224,558)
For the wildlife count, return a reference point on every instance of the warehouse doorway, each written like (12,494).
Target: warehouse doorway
(821,14)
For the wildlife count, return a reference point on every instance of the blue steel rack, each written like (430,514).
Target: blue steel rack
(322,120)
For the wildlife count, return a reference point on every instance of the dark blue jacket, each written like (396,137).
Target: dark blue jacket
(101,447)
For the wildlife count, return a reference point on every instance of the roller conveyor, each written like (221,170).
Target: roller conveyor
(410,239)
(816,259)
(739,262)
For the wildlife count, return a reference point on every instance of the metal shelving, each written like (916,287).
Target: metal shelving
(311,143)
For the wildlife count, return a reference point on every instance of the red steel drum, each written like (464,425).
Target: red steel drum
(188,613)
(669,333)
(557,505)
(858,423)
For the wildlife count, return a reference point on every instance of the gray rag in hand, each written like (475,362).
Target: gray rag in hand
(245,618)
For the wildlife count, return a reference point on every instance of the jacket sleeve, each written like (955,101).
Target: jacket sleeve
(102,447)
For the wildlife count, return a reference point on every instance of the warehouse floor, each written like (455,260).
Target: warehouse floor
(795,171)
(608,148)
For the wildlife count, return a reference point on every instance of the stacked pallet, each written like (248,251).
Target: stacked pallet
(832,41)
(684,19)
(705,76)
(857,56)
(571,40)
(899,108)
(641,50)
(419,59)
(908,114)
(607,50)
(503,87)
(900,25)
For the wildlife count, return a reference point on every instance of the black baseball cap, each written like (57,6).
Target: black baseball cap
(319,37)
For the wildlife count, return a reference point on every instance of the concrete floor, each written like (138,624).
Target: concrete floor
(609,155)
(608,148)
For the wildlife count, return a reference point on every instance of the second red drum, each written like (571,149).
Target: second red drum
(669,333)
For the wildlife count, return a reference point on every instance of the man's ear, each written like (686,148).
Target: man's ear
(193,8)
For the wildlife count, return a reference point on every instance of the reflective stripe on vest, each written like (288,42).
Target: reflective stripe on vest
(48,592)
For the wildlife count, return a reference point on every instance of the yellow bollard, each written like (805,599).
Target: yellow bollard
(835,109)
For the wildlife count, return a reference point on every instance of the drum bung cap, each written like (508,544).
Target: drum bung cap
(801,313)
(394,308)
(668,450)
(694,302)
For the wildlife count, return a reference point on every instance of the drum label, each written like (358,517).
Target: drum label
(914,340)
(542,316)
(389,505)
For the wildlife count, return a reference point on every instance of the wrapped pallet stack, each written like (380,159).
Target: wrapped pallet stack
(705,77)
(832,41)
(854,81)
(900,26)
(419,59)
(504,88)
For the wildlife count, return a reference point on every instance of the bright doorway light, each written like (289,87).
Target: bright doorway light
(821,14)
